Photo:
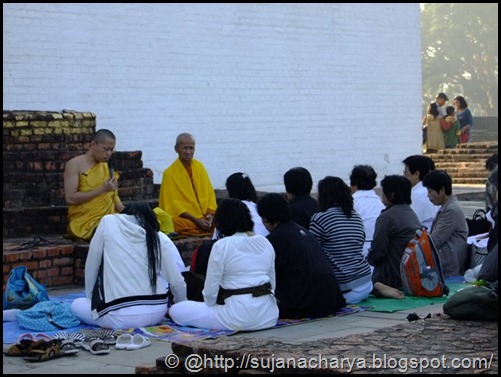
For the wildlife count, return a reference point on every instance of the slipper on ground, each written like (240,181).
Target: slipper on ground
(95,346)
(138,341)
(123,341)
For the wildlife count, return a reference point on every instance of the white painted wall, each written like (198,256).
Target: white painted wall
(262,87)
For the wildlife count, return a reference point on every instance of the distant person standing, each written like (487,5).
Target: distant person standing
(441,104)
(451,128)
(465,118)
(434,134)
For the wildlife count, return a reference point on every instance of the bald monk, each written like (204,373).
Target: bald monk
(186,192)
(90,190)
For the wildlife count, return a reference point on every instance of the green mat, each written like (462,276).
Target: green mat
(390,305)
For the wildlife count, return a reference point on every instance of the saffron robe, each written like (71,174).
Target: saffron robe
(179,193)
(84,218)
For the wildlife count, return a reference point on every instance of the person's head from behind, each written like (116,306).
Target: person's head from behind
(103,145)
(460,103)
(332,191)
(273,209)
(450,110)
(239,186)
(233,216)
(441,99)
(396,190)
(148,221)
(492,162)
(439,185)
(298,182)
(363,177)
(185,147)
(433,109)
(493,177)
(416,167)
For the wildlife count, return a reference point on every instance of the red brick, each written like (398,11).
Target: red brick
(40,253)
(46,263)
(62,262)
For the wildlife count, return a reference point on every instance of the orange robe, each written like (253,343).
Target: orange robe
(84,218)
(181,193)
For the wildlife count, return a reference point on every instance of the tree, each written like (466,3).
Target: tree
(460,54)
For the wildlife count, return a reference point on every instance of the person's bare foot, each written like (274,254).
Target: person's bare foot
(385,291)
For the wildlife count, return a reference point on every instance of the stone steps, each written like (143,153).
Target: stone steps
(465,164)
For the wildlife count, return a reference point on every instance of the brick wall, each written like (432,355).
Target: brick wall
(36,145)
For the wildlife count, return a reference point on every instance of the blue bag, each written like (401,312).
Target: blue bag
(22,291)
(48,316)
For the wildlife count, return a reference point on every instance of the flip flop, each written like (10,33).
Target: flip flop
(76,337)
(123,341)
(68,347)
(95,346)
(138,341)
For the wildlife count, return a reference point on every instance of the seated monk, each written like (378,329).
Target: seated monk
(186,192)
(90,187)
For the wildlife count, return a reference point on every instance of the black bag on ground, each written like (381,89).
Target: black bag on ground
(478,224)
(474,303)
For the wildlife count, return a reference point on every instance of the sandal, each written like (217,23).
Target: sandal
(23,347)
(76,337)
(68,347)
(45,351)
(109,337)
(95,346)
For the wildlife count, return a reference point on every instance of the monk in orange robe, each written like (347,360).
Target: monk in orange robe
(90,187)
(186,192)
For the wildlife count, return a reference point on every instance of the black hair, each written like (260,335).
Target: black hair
(397,189)
(363,177)
(102,135)
(433,109)
(239,186)
(449,110)
(462,102)
(298,181)
(148,221)
(420,163)
(274,208)
(233,216)
(332,191)
(438,179)
(491,162)
(493,177)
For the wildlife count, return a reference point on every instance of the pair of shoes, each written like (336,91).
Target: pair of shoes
(76,338)
(45,351)
(95,346)
(23,347)
(109,337)
(132,342)
(33,337)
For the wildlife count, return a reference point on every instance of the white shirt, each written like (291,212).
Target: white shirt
(259,228)
(369,206)
(424,209)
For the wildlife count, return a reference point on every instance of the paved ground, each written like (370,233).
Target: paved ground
(361,332)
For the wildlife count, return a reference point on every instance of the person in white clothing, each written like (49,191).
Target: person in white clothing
(416,168)
(240,281)
(127,260)
(366,202)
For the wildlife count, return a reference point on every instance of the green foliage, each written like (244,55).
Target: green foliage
(460,54)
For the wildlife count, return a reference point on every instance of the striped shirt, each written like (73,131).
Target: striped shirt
(342,239)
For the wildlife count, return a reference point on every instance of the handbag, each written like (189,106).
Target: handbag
(478,224)
(478,255)
(22,291)
(48,316)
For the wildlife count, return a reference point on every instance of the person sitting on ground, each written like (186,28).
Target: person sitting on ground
(490,189)
(240,281)
(340,231)
(365,200)
(90,187)
(415,169)
(395,227)
(298,184)
(186,192)
(128,262)
(489,270)
(239,186)
(450,127)
(306,286)
(449,230)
